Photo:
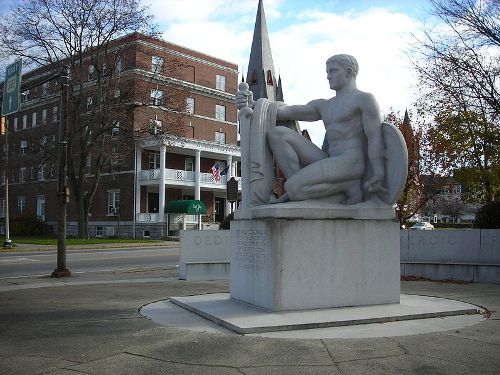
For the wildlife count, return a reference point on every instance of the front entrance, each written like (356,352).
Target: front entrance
(220,204)
(153,202)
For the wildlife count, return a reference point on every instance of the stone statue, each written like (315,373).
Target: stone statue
(362,159)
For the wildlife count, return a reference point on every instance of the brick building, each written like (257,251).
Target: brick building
(145,175)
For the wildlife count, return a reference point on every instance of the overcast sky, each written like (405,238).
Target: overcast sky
(303,34)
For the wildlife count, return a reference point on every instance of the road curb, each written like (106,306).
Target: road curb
(27,247)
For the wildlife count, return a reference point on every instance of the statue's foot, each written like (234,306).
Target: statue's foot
(274,199)
(354,194)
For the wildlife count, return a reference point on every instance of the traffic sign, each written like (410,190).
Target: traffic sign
(12,88)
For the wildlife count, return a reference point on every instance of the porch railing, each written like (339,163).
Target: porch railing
(149,217)
(181,175)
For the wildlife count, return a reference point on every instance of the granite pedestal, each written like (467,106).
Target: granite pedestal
(311,256)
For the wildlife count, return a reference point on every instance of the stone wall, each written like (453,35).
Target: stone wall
(204,255)
(468,255)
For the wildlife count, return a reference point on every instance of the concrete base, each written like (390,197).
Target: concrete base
(294,264)
(204,271)
(244,319)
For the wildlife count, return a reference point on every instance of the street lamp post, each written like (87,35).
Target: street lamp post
(62,188)
(7,243)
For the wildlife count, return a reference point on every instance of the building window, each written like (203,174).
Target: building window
(44,116)
(21,203)
(220,112)
(33,120)
(220,137)
(92,74)
(157,64)
(154,160)
(113,202)
(42,172)
(253,80)
(88,165)
(104,71)
(25,121)
(220,82)
(15,124)
(99,231)
(269,78)
(22,174)
(189,164)
(190,105)
(118,65)
(155,126)
(115,158)
(45,88)
(2,207)
(25,96)
(89,102)
(40,207)
(115,130)
(23,147)
(157,97)
(54,113)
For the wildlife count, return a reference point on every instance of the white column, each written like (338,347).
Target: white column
(161,185)
(229,161)
(234,169)
(197,175)
(138,168)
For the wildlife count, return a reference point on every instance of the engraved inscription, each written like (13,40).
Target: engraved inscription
(250,249)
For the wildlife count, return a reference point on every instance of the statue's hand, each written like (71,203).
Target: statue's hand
(374,185)
(244,97)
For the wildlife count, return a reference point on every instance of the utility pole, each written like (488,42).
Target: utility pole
(62,187)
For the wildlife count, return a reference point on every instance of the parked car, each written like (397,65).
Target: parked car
(423,225)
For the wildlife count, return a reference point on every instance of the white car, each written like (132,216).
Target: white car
(423,225)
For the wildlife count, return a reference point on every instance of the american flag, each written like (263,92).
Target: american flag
(215,172)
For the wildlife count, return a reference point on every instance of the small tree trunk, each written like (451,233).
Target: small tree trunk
(83,219)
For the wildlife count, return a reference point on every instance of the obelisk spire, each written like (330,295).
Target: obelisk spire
(260,76)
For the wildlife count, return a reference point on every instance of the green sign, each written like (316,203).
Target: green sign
(12,88)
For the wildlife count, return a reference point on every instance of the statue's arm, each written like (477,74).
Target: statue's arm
(244,97)
(372,125)
(307,112)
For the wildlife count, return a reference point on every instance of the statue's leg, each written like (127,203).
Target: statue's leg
(324,178)
(292,151)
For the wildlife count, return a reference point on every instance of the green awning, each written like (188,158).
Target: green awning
(186,207)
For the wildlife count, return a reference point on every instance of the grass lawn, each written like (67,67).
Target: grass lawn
(77,241)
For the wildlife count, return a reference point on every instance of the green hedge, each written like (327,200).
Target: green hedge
(488,216)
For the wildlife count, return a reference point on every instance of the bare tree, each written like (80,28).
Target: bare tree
(458,73)
(92,38)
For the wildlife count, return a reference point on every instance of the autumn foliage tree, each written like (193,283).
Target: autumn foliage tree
(458,67)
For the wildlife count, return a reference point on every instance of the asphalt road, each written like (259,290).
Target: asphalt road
(41,263)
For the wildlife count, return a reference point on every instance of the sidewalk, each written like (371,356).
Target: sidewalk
(90,324)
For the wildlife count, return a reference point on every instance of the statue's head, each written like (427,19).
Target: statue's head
(348,62)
